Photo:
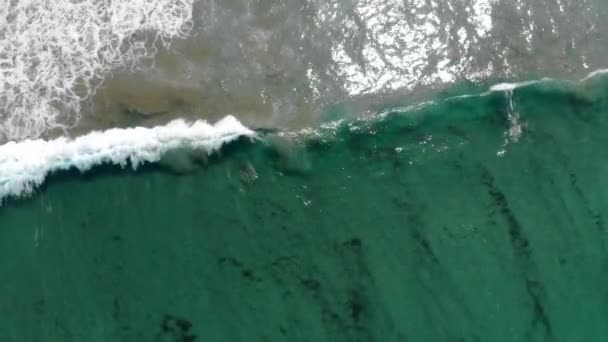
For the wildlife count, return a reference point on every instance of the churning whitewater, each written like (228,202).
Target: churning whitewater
(54,54)
(26,164)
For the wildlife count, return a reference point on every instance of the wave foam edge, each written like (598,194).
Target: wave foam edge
(25,165)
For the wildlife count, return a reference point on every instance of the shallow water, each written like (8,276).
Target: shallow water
(274,63)
(280,63)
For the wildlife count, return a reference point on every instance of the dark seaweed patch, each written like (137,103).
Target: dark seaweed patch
(175,329)
(311,284)
(353,244)
(246,273)
(425,245)
(523,252)
(597,218)
(356,305)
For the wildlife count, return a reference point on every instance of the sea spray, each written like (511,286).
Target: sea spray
(25,165)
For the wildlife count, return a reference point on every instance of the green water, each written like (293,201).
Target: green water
(431,224)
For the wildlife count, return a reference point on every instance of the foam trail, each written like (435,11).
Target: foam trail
(508,87)
(53,54)
(25,165)
(594,74)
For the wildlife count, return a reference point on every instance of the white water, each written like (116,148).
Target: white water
(54,53)
(595,74)
(509,87)
(25,165)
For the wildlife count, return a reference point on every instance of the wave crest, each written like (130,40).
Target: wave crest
(26,164)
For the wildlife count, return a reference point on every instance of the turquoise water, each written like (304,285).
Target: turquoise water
(420,223)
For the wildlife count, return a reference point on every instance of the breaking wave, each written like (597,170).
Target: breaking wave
(26,164)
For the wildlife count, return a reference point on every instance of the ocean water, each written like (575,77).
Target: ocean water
(371,170)
(439,221)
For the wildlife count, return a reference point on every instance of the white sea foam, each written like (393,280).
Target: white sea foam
(25,165)
(509,87)
(54,53)
(595,74)
(512,86)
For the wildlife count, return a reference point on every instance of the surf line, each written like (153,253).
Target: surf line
(25,165)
